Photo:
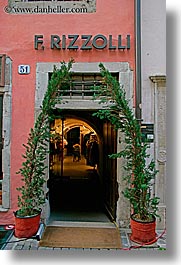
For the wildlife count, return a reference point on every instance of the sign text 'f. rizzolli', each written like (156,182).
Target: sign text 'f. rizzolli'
(83,42)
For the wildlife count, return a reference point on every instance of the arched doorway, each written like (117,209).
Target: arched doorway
(80,187)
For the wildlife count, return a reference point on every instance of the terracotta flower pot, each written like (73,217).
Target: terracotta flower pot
(26,227)
(143,232)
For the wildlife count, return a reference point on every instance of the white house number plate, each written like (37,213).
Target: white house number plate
(23,69)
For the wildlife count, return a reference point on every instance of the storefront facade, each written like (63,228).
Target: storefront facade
(35,36)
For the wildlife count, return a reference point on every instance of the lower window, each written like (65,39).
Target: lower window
(1,146)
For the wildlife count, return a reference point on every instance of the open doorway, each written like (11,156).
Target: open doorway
(77,188)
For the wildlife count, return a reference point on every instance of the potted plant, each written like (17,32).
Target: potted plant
(139,173)
(32,194)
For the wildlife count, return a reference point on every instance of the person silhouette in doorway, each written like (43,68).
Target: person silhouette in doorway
(76,152)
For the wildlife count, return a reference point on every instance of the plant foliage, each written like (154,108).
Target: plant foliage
(140,175)
(32,171)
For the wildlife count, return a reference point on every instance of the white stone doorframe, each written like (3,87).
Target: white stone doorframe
(125,78)
(159,86)
(6,91)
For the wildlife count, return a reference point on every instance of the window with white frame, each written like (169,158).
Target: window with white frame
(1,146)
(2,69)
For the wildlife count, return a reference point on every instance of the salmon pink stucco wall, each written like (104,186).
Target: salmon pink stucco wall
(113,17)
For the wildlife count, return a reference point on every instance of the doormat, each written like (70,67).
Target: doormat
(81,237)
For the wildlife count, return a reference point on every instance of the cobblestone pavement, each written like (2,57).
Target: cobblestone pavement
(33,244)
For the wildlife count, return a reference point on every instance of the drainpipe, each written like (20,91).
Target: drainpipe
(138,113)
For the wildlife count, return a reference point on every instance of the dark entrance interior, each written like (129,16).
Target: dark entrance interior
(82,183)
